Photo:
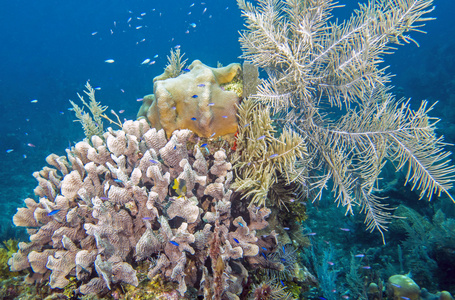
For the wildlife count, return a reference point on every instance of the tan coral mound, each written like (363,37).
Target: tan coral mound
(110,203)
(194,100)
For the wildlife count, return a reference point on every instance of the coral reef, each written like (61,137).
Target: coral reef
(113,204)
(194,100)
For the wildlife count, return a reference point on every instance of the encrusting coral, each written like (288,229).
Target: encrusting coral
(110,205)
(194,100)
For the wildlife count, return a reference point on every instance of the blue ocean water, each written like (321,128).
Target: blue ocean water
(49,49)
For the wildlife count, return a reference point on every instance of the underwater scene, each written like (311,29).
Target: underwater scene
(227,149)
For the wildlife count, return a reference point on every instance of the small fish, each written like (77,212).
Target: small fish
(396,285)
(201,85)
(156,56)
(193,25)
(94,32)
(9,150)
(139,27)
(146,218)
(334,291)
(98,88)
(175,147)
(203,145)
(359,255)
(236,240)
(146,61)
(405,298)
(292,200)
(129,20)
(111,31)
(141,41)
(122,90)
(211,104)
(193,119)
(311,234)
(174,243)
(192,4)
(241,224)
(273,155)
(104,198)
(366,267)
(143,14)
(139,18)
(109,61)
(154,161)
(31,145)
(345,297)
(207,149)
(261,137)
(345,229)
(284,250)
(194,96)
(177,47)
(213,134)
(263,254)
(152,62)
(121,111)
(139,99)
(118,181)
(174,108)
(283,260)
(205,9)
(322,298)
(264,248)
(34,101)
(281,281)
(179,187)
(55,211)
(331,263)
(186,70)
(247,124)
(286,228)
(224,117)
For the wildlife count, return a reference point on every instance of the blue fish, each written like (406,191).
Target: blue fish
(175,147)
(201,85)
(241,225)
(146,218)
(186,70)
(236,240)
(174,243)
(55,211)
(194,96)
(261,137)
(264,248)
(207,150)
(286,228)
(247,124)
(224,117)
(284,250)
(282,282)
(194,119)
(118,181)
(104,198)
(263,254)
(203,145)
(211,104)
(153,161)
(273,155)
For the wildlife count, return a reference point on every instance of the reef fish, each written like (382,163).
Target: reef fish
(261,137)
(194,96)
(55,211)
(179,187)
(109,61)
(193,119)
(174,243)
(203,145)
(153,161)
(201,85)
(236,240)
(146,61)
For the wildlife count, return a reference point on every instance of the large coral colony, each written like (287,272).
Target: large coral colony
(191,192)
